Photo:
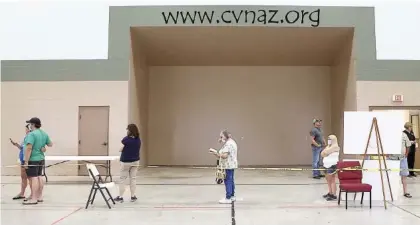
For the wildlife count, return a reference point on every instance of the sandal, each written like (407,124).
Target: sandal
(407,195)
(18,197)
(30,202)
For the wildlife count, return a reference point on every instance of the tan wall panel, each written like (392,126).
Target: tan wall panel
(270,107)
(139,94)
(379,93)
(56,104)
(343,89)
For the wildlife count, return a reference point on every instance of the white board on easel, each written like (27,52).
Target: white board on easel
(356,132)
(357,127)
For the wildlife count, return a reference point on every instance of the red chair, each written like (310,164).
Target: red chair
(351,181)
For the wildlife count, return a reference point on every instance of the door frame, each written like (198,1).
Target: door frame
(78,127)
(371,108)
(78,124)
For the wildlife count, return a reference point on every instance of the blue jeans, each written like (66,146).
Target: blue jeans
(316,155)
(230,183)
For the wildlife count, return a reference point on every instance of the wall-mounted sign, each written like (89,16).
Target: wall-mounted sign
(397,98)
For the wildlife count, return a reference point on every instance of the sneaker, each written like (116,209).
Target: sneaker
(326,195)
(119,199)
(225,201)
(133,199)
(233,198)
(331,198)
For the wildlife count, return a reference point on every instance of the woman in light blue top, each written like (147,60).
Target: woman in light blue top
(24,178)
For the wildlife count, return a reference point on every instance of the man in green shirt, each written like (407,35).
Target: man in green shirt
(36,140)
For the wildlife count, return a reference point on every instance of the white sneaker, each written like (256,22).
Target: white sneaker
(225,201)
(233,198)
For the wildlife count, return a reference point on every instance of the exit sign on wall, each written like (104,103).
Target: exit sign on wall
(397,98)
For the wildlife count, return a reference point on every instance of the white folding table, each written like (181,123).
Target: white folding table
(87,159)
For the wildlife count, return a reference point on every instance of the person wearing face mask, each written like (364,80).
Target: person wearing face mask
(24,178)
(411,155)
(228,159)
(130,161)
(330,158)
(34,159)
(405,149)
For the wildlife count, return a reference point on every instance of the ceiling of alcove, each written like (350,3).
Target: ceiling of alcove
(237,46)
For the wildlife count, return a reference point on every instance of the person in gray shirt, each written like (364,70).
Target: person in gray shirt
(318,142)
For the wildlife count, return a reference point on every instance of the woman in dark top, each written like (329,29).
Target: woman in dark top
(130,157)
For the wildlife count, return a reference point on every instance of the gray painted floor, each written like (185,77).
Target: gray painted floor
(188,196)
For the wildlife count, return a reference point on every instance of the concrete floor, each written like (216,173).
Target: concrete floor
(189,196)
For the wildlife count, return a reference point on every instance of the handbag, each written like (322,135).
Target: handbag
(220,172)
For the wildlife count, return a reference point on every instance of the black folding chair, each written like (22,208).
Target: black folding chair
(98,184)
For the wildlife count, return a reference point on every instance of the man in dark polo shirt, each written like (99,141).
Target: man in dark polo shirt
(317,143)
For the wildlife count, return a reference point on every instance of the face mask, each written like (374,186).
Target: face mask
(329,142)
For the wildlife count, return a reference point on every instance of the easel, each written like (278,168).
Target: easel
(380,155)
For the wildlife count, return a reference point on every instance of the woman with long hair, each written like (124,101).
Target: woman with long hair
(130,158)
(23,177)
(330,158)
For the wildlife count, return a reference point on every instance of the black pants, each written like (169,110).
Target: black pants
(411,158)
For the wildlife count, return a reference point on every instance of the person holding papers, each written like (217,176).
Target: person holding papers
(228,156)
(23,177)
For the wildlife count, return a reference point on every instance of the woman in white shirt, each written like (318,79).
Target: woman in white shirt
(330,158)
(228,156)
